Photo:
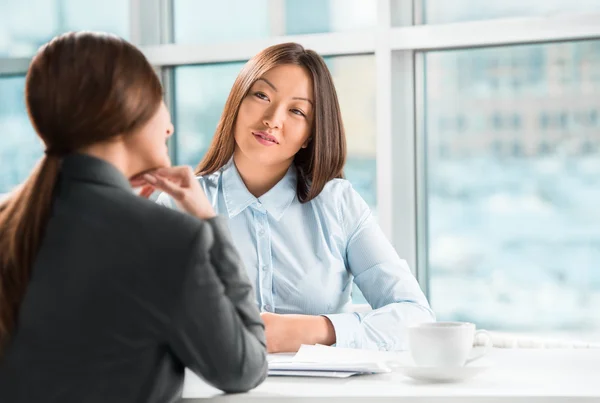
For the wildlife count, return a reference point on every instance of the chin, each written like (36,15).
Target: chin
(167,163)
(163,161)
(160,163)
(259,154)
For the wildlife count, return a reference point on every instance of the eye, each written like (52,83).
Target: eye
(297,112)
(261,95)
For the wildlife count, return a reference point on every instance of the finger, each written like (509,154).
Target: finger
(181,174)
(147,191)
(179,170)
(166,186)
(137,181)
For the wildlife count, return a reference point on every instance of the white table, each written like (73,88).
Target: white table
(517,376)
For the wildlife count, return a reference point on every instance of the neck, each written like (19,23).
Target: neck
(114,153)
(259,179)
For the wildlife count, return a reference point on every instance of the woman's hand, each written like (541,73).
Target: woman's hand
(181,184)
(286,333)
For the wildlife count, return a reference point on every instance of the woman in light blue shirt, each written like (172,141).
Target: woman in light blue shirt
(275,168)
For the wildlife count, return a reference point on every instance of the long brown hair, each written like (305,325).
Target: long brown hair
(325,155)
(81,88)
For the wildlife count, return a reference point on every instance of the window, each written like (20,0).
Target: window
(20,148)
(24,31)
(516,121)
(513,226)
(201,92)
(517,149)
(235,20)
(461,124)
(587,147)
(544,148)
(358,113)
(497,121)
(593,118)
(585,118)
(444,11)
(544,120)
(497,148)
(564,120)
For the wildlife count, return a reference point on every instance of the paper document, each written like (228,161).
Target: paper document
(328,361)
(321,353)
(319,374)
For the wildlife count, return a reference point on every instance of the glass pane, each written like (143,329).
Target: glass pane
(357,102)
(20,148)
(23,31)
(200,95)
(444,11)
(513,180)
(233,20)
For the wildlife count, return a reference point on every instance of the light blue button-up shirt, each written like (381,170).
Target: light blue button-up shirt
(303,258)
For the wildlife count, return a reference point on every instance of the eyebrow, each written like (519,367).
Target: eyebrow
(270,84)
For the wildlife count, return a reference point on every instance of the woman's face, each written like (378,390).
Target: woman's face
(275,118)
(148,145)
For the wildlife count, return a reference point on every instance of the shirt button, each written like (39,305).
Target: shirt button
(268,308)
(261,232)
(352,344)
(265,267)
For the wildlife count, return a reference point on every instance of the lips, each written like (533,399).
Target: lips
(265,136)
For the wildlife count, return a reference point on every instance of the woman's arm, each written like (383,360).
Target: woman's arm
(216,329)
(286,333)
(384,279)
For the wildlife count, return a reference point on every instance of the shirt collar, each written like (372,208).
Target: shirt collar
(275,201)
(237,197)
(279,198)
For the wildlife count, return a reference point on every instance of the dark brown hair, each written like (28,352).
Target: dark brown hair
(325,155)
(81,88)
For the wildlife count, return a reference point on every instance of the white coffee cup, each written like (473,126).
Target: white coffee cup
(445,344)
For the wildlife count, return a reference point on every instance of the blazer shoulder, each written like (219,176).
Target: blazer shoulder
(168,226)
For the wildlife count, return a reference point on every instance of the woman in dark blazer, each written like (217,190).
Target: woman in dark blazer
(95,304)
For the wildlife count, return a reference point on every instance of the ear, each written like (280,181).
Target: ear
(307,142)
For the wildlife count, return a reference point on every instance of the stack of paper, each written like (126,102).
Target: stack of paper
(325,361)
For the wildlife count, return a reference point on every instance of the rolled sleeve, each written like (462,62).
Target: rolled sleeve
(347,329)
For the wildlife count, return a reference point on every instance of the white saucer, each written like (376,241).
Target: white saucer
(443,374)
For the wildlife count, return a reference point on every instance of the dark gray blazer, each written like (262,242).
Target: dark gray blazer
(124,294)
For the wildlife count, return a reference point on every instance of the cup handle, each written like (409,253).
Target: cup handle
(488,346)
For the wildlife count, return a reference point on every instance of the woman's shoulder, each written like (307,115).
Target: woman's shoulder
(161,229)
(339,198)
(338,191)
(171,237)
(210,180)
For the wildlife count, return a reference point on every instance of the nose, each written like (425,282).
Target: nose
(273,118)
